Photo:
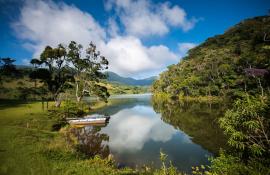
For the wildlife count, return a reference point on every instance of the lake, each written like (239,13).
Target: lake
(140,127)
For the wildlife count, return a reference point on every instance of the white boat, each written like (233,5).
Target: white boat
(91,119)
(95,116)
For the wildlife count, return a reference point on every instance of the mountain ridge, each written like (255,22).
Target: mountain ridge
(114,77)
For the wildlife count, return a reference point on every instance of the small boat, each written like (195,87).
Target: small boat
(96,116)
(90,119)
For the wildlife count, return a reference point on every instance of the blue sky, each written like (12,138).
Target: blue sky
(139,37)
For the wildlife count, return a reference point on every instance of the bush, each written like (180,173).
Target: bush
(247,126)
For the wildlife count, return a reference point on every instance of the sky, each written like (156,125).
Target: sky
(140,38)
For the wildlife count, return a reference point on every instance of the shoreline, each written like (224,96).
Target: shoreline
(201,99)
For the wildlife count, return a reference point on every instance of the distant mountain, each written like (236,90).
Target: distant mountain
(113,77)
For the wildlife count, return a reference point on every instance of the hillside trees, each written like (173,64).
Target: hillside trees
(218,67)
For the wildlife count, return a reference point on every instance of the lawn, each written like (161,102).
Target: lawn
(29,146)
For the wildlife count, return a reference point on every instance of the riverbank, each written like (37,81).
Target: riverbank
(29,146)
(200,99)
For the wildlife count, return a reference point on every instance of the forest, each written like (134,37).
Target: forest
(227,65)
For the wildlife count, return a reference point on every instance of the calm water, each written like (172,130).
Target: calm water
(140,127)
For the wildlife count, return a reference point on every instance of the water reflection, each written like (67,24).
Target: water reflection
(130,129)
(91,141)
(198,120)
(137,131)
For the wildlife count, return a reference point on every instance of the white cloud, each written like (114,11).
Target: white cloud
(185,47)
(176,16)
(47,23)
(130,56)
(144,18)
(44,23)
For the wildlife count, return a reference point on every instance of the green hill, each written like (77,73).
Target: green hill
(224,65)
(113,77)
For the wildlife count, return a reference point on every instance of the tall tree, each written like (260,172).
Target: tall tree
(88,70)
(55,73)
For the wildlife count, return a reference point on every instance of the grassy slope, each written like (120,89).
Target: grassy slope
(28,146)
(116,88)
(9,87)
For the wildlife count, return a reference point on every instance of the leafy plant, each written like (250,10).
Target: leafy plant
(247,126)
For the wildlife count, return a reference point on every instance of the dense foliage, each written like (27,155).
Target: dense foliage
(248,124)
(247,127)
(224,65)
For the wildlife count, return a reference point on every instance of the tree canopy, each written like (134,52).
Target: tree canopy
(61,67)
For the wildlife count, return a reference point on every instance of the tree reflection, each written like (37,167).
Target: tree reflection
(198,120)
(91,142)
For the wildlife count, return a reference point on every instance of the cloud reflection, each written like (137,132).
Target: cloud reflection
(130,129)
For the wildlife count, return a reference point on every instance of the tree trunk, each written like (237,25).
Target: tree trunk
(57,101)
(80,95)
(260,84)
(79,98)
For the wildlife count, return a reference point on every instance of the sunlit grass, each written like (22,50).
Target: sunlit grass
(28,146)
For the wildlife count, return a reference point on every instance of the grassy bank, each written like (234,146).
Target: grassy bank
(29,146)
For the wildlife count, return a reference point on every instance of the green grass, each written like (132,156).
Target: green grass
(28,146)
